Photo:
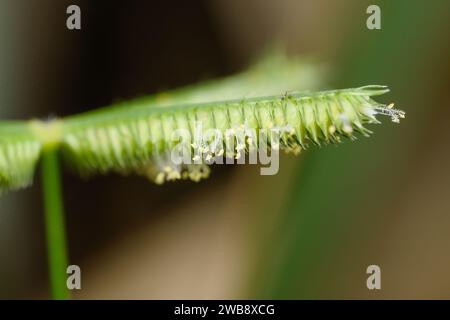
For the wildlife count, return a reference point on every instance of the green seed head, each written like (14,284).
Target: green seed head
(142,142)
(139,138)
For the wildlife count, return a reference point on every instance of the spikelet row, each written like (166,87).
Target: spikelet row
(18,158)
(142,141)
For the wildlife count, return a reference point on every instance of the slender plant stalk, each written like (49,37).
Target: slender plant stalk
(54,222)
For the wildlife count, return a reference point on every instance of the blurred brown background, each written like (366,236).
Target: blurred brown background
(309,232)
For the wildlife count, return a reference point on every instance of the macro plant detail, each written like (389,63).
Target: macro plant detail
(224,150)
(19,153)
(138,139)
(139,136)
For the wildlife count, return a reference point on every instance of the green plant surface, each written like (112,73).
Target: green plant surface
(136,138)
(19,153)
